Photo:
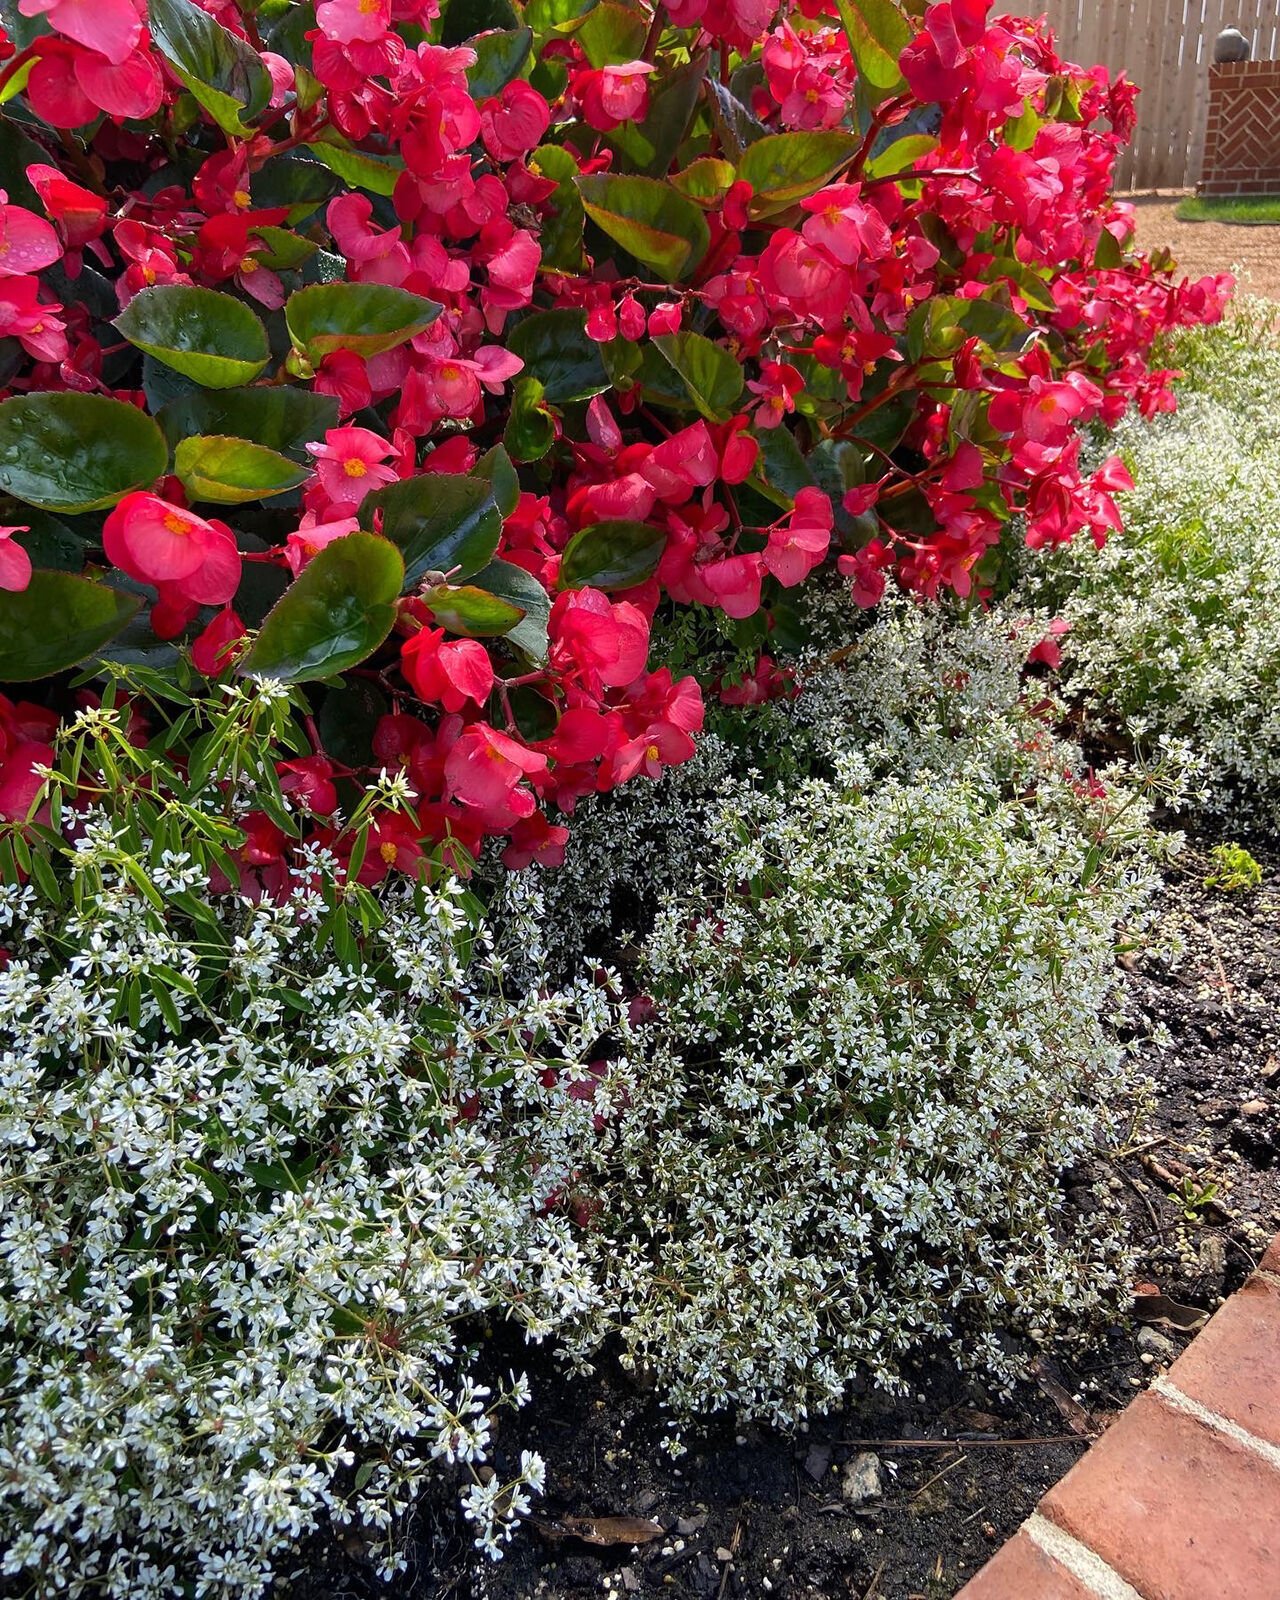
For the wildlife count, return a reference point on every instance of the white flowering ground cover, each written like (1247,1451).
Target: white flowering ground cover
(1173,635)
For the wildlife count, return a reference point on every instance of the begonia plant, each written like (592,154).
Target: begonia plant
(421,349)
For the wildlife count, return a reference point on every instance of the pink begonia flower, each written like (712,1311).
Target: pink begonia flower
(129,88)
(312,537)
(309,779)
(447,672)
(534,838)
(352,21)
(1048,652)
(513,122)
(15,563)
(794,550)
(483,771)
(735,583)
(661,746)
(190,559)
(606,640)
(350,462)
(111,27)
(609,96)
(380,255)
(23,316)
(79,215)
(777,386)
(213,650)
(27,242)
(846,227)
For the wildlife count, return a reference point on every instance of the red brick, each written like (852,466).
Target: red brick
(1179,1511)
(1022,1571)
(1234,1365)
(1271,1261)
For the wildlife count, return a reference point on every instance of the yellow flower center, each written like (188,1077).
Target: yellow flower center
(354,467)
(652,753)
(386,851)
(176,523)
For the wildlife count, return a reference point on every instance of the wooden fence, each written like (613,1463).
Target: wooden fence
(1165,46)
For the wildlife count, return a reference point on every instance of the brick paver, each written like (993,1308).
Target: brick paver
(1022,1568)
(1236,1370)
(1180,1498)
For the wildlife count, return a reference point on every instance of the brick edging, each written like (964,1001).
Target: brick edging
(1180,1498)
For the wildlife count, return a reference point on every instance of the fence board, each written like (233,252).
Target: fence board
(1165,46)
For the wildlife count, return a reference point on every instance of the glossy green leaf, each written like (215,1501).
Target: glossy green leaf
(650,220)
(781,464)
(77,452)
(471,611)
(463,19)
(440,521)
(556,16)
(555,349)
(612,34)
(785,168)
(561,236)
(282,417)
(705,181)
(212,338)
(334,615)
(58,620)
(611,555)
(377,174)
(500,55)
(737,128)
(222,71)
(282,249)
(496,468)
(522,589)
(232,471)
(366,318)
(531,426)
(650,146)
(878,33)
(711,374)
(900,155)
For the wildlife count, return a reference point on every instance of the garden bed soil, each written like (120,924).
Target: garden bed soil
(750,1512)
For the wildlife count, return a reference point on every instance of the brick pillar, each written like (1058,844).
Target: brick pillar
(1242,131)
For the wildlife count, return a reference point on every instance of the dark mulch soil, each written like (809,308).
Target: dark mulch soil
(747,1512)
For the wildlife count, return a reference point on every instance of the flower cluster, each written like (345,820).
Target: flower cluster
(1167,635)
(438,350)
(262,1163)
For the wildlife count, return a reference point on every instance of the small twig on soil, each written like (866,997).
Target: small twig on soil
(728,1566)
(1227,988)
(1137,1149)
(873,1588)
(1151,1210)
(929,1483)
(973,1516)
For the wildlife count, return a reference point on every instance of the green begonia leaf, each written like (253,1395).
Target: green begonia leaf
(334,615)
(211,338)
(77,452)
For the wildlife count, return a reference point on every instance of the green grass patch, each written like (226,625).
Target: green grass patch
(1245,208)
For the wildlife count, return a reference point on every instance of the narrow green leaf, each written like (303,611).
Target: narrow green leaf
(210,337)
(232,471)
(77,452)
(57,621)
(650,220)
(611,555)
(900,155)
(367,318)
(335,614)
